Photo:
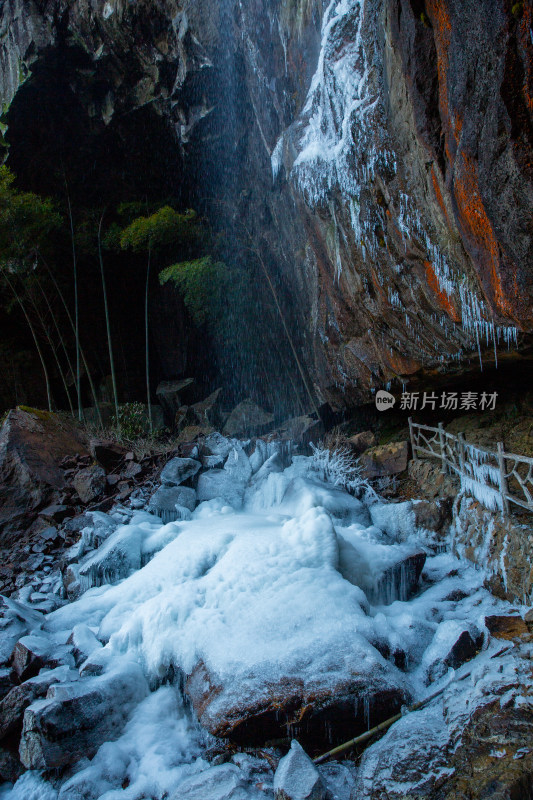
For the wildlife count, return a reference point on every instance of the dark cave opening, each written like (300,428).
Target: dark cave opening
(60,147)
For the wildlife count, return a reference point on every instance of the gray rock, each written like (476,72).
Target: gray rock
(217,445)
(454,643)
(83,642)
(55,513)
(33,652)
(220,483)
(165,499)
(90,483)
(297,778)
(14,704)
(223,782)
(246,419)
(115,559)
(178,470)
(76,718)
(172,395)
(10,767)
(48,534)
(5,681)
(238,465)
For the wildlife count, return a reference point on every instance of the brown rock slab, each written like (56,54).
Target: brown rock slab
(76,718)
(246,419)
(32,445)
(388,459)
(107,453)
(90,483)
(362,441)
(322,716)
(506,627)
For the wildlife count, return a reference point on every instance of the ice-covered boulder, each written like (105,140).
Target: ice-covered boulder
(220,483)
(83,642)
(165,499)
(238,465)
(178,470)
(35,651)
(297,778)
(222,782)
(14,704)
(454,643)
(115,559)
(386,572)
(76,718)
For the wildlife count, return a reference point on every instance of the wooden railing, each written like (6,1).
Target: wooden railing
(495,478)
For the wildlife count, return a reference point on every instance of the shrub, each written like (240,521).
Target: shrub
(132,421)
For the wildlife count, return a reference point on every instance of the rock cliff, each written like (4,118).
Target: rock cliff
(375,153)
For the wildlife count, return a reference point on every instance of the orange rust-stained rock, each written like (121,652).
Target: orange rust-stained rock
(442,298)
(506,627)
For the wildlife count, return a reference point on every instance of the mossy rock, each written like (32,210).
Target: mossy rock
(37,412)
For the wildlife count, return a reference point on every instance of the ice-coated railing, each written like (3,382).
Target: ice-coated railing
(495,478)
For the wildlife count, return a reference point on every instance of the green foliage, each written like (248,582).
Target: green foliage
(26,222)
(165,226)
(207,287)
(517,10)
(132,420)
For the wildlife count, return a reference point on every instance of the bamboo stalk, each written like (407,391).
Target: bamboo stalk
(76,306)
(107,322)
(388,722)
(53,349)
(82,354)
(35,339)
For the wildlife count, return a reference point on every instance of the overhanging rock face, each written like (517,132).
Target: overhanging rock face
(379,153)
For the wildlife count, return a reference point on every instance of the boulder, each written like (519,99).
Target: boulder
(388,459)
(90,483)
(506,627)
(297,778)
(132,470)
(220,483)
(362,441)
(172,395)
(13,706)
(433,515)
(454,644)
(108,453)
(55,513)
(83,642)
(32,445)
(29,656)
(6,683)
(221,782)
(207,412)
(164,500)
(430,480)
(302,429)
(10,767)
(246,419)
(238,465)
(216,446)
(326,712)
(114,560)
(178,470)
(77,717)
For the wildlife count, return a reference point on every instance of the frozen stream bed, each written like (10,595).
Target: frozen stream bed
(281,607)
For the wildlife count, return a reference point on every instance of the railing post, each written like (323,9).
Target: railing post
(461,440)
(503,480)
(442,442)
(412,437)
